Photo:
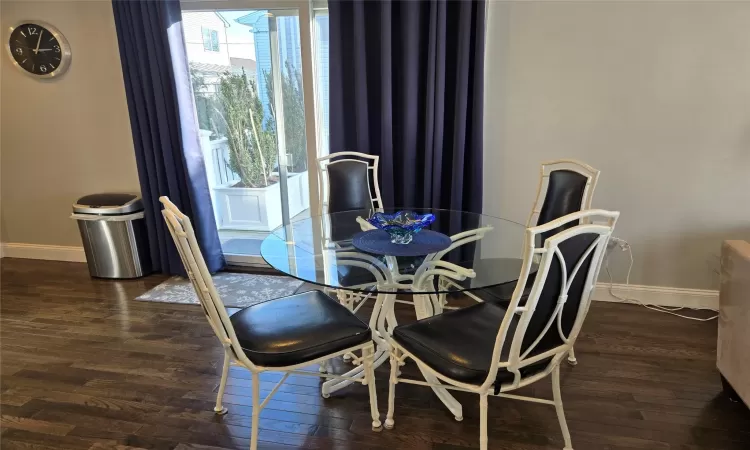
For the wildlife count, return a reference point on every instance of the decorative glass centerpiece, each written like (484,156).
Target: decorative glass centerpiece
(401,226)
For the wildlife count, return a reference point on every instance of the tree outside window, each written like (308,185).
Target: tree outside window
(236,112)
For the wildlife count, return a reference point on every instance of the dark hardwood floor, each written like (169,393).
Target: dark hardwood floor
(84,366)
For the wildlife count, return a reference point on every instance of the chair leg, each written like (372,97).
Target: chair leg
(483,421)
(369,359)
(219,408)
(572,357)
(345,298)
(392,380)
(559,407)
(255,413)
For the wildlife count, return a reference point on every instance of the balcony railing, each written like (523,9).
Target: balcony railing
(219,164)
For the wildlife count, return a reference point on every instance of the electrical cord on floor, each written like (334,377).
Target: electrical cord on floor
(624,246)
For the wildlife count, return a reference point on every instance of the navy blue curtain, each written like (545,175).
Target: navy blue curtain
(165,131)
(406,83)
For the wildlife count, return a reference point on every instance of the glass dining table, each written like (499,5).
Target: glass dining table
(326,250)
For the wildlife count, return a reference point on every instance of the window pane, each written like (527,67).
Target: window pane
(206,38)
(214,40)
(322,83)
(290,62)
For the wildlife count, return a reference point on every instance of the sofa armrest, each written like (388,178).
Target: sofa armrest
(734,317)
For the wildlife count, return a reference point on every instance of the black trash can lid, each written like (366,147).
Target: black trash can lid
(107,204)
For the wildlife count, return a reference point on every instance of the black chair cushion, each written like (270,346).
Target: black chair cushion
(459,344)
(349,186)
(295,329)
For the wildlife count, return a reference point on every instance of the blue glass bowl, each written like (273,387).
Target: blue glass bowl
(401,226)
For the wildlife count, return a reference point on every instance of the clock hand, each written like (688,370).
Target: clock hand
(45,50)
(38,42)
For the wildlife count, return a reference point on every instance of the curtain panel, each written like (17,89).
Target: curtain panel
(406,83)
(164,127)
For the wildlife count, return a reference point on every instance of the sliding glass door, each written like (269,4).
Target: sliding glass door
(252,75)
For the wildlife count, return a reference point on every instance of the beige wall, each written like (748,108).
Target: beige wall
(654,94)
(64,138)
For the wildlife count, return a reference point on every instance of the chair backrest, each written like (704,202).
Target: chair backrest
(184,238)
(348,181)
(566,186)
(542,329)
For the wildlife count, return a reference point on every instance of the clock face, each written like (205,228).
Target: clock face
(39,50)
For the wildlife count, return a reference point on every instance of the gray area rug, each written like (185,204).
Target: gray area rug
(237,290)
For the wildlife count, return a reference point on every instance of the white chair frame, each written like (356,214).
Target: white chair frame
(371,161)
(517,360)
(182,232)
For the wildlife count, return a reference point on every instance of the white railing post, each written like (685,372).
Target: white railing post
(211,169)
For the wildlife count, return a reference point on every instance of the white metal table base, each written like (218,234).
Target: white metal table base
(423,310)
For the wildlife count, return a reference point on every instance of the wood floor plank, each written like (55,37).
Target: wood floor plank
(100,446)
(19,445)
(84,400)
(39,426)
(92,420)
(60,442)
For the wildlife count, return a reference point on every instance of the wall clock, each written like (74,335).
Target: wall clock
(39,49)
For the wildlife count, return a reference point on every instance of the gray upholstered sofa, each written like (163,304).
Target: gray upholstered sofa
(733,352)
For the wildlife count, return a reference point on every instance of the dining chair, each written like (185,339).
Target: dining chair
(492,350)
(348,181)
(565,186)
(281,335)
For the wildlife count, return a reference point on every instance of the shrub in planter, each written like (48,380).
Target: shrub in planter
(252,143)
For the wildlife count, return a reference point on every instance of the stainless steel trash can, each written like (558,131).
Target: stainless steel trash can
(114,235)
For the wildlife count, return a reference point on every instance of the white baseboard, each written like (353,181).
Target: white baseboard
(48,252)
(657,295)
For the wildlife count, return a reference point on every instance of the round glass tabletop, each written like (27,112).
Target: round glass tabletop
(312,250)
